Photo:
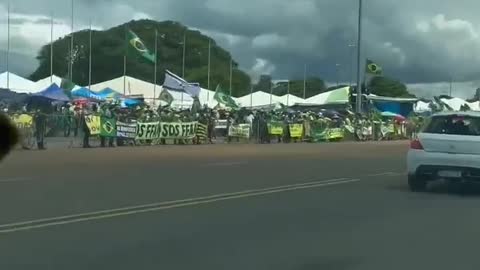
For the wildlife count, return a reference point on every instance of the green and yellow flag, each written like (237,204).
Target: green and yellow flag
(224,98)
(166,97)
(136,45)
(373,68)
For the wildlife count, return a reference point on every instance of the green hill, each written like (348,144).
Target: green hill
(108,49)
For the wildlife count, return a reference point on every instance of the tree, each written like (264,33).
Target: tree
(264,84)
(108,50)
(384,86)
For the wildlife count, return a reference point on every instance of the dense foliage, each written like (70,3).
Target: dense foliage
(108,50)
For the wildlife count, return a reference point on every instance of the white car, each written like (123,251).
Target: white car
(448,147)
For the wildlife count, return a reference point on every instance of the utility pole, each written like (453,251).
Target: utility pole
(359,62)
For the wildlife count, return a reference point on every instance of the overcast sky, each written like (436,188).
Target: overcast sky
(415,41)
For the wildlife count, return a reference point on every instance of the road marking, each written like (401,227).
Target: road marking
(384,174)
(14,180)
(219,164)
(126,211)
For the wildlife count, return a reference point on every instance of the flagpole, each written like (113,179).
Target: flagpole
(51,49)
(183,58)
(71,49)
(208,75)
(304,81)
(125,61)
(359,62)
(231,74)
(8,45)
(251,94)
(271,93)
(352,51)
(90,56)
(155,69)
(288,92)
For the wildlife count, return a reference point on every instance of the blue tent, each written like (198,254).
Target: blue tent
(110,93)
(87,93)
(53,92)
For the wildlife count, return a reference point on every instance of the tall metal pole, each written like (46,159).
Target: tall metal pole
(351,47)
(288,93)
(8,45)
(231,74)
(125,61)
(208,75)
(359,62)
(305,81)
(51,49)
(155,69)
(90,56)
(71,49)
(337,71)
(271,93)
(251,94)
(450,86)
(183,58)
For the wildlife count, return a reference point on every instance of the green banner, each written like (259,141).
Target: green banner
(178,130)
(160,130)
(318,130)
(240,130)
(108,127)
(275,128)
(148,131)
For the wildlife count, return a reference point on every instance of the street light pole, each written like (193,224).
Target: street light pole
(359,62)
(352,51)
(337,71)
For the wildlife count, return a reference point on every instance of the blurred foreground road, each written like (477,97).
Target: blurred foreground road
(296,206)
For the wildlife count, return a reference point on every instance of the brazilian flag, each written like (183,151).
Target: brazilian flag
(224,98)
(373,68)
(136,45)
(108,127)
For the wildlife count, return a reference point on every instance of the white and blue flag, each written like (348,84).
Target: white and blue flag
(176,83)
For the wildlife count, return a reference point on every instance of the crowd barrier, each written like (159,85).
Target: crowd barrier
(156,132)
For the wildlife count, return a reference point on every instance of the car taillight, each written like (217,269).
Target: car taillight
(415,144)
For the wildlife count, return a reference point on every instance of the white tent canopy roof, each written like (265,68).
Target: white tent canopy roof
(16,83)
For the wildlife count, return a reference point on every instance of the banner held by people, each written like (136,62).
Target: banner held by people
(240,131)
(125,130)
(178,130)
(93,124)
(202,132)
(275,128)
(108,127)
(148,131)
(296,130)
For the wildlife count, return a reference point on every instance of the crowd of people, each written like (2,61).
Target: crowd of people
(69,120)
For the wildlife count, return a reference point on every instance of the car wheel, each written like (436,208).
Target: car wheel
(417,184)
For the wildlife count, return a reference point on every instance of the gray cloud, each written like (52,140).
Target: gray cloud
(415,41)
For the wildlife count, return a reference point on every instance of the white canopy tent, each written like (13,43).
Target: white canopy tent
(256,99)
(337,96)
(16,83)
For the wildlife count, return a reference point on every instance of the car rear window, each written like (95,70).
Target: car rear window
(454,125)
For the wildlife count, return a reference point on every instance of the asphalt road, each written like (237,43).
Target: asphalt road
(297,206)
